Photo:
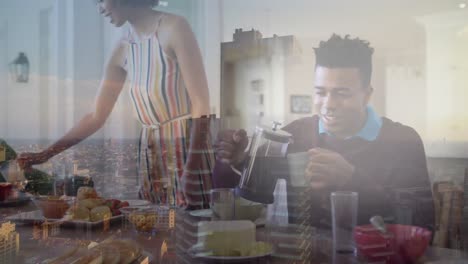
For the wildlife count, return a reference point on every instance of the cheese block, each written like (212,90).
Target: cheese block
(226,238)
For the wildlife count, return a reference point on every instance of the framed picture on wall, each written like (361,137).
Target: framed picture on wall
(301,104)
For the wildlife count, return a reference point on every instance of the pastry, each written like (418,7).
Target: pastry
(91,257)
(110,251)
(100,213)
(109,254)
(86,193)
(128,250)
(78,212)
(91,203)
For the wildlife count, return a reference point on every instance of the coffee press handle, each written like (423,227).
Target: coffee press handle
(236,170)
(275,125)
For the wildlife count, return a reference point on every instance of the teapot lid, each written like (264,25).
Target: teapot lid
(276,135)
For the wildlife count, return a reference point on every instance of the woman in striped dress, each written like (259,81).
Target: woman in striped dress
(160,63)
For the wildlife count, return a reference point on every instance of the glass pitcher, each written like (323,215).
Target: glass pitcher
(266,151)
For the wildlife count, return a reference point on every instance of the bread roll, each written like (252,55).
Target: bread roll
(100,213)
(78,212)
(86,193)
(129,250)
(64,258)
(91,257)
(91,203)
(109,253)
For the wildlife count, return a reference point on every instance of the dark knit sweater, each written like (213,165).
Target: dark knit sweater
(395,160)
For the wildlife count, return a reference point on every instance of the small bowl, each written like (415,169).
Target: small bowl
(53,207)
(403,244)
(246,210)
(6,190)
(142,219)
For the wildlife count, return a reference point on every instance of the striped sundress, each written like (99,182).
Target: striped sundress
(162,105)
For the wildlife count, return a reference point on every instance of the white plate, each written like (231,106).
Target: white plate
(204,213)
(207,213)
(137,203)
(61,245)
(20,200)
(233,259)
(229,258)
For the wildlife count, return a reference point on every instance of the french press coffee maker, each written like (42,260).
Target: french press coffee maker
(266,152)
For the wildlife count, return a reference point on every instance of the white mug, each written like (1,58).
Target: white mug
(297,163)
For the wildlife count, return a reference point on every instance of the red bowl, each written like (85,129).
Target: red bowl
(53,207)
(5,191)
(403,244)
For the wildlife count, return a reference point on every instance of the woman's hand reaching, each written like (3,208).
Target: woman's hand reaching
(27,159)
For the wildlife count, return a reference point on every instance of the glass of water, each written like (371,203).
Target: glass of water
(223,203)
(344,207)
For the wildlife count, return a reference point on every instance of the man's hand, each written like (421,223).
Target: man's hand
(327,169)
(230,146)
(27,159)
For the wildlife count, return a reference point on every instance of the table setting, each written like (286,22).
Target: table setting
(235,229)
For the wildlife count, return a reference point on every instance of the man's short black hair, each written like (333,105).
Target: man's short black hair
(141,2)
(136,3)
(339,52)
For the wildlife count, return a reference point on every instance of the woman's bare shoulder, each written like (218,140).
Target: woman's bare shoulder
(173,23)
(170,17)
(119,53)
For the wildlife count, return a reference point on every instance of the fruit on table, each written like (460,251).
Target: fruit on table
(115,206)
(90,207)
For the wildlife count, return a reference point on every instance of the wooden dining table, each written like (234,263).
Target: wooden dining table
(291,243)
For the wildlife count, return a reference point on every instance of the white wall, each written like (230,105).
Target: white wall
(406,90)
(447,83)
(22,36)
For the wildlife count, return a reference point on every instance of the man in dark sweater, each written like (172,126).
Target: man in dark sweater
(350,147)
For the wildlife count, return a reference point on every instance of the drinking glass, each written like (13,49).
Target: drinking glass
(162,189)
(344,207)
(297,164)
(223,204)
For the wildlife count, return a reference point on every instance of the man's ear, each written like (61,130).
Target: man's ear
(369,91)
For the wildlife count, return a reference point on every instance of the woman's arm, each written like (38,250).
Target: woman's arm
(196,179)
(109,90)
